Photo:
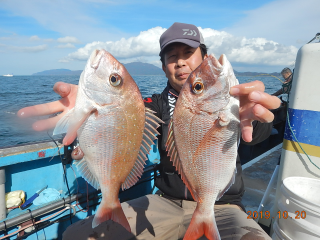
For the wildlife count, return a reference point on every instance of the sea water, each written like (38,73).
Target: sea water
(21,91)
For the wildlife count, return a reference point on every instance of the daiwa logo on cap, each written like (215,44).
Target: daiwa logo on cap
(185,33)
(192,32)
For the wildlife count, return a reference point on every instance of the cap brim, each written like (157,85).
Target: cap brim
(191,43)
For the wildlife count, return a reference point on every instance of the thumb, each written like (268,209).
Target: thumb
(61,88)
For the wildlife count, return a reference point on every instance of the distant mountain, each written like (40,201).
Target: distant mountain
(253,74)
(59,72)
(139,68)
(134,68)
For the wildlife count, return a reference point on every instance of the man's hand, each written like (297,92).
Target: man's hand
(254,105)
(68,93)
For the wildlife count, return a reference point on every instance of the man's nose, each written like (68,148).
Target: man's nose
(181,62)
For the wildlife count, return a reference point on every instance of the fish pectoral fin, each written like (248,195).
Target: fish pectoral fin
(222,192)
(79,116)
(63,124)
(85,172)
(149,134)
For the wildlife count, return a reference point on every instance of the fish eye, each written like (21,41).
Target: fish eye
(197,87)
(115,79)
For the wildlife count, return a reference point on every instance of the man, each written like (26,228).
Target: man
(167,216)
(286,86)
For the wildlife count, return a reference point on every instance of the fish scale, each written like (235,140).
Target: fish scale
(202,140)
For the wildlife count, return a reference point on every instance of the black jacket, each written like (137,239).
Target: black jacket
(169,182)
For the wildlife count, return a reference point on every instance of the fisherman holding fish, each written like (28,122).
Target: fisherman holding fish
(167,215)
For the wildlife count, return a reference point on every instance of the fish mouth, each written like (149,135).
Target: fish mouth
(95,58)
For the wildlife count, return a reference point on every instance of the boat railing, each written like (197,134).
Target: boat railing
(30,167)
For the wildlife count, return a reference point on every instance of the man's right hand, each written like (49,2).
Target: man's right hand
(68,93)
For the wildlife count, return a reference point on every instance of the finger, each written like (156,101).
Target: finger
(61,88)
(246,88)
(41,109)
(257,112)
(264,99)
(262,114)
(246,130)
(46,124)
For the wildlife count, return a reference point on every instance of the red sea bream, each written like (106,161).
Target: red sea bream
(114,129)
(202,140)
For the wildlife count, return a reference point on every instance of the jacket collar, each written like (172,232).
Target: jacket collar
(172,90)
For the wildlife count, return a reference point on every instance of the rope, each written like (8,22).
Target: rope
(294,136)
(316,36)
(33,222)
(286,87)
(264,74)
(19,230)
(63,167)
(298,141)
(5,229)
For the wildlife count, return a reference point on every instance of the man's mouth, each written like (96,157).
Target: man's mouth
(183,75)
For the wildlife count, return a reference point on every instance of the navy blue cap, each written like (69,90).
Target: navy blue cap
(181,32)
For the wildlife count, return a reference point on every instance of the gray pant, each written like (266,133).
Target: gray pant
(155,217)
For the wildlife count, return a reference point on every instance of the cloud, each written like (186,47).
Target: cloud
(54,16)
(48,40)
(100,1)
(5,38)
(68,39)
(63,61)
(68,45)
(237,49)
(295,22)
(248,50)
(33,49)
(34,38)
(145,44)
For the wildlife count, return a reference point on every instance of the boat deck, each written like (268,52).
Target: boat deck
(256,176)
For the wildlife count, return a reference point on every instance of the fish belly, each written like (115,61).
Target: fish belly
(110,144)
(108,147)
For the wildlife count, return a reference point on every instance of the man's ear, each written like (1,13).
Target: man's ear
(205,56)
(164,68)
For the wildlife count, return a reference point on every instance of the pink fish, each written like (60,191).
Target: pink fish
(114,129)
(202,140)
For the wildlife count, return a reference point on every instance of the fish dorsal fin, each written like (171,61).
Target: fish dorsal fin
(63,124)
(222,192)
(149,134)
(86,173)
(174,157)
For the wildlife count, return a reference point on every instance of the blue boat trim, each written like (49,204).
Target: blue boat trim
(29,167)
(305,125)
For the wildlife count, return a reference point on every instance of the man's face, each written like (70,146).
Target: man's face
(287,76)
(179,61)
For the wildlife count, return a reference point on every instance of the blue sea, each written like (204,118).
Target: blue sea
(21,91)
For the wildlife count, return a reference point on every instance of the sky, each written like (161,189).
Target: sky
(256,36)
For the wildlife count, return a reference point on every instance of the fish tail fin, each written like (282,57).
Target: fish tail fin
(116,214)
(202,225)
